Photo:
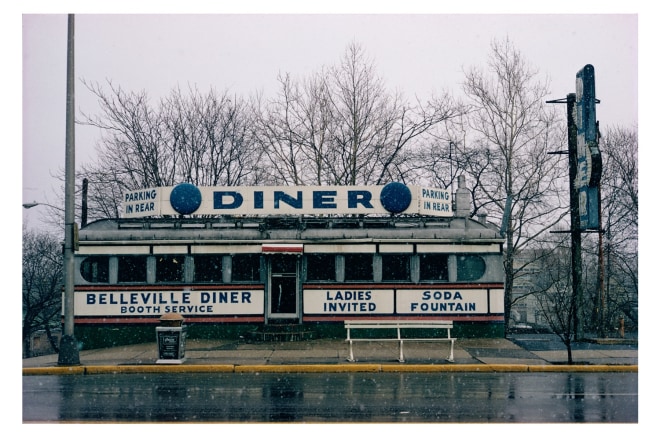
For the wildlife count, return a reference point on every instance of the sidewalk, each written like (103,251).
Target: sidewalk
(497,354)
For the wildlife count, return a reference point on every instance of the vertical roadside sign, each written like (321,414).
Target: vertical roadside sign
(589,162)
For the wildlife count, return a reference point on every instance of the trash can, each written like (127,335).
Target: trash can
(171,339)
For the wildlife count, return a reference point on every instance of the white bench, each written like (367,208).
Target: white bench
(398,325)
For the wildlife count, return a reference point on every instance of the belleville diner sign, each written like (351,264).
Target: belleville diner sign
(329,301)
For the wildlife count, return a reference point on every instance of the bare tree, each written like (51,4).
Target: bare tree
(372,128)
(337,127)
(195,138)
(615,290)
(512,175)
(363,114)
(210,137)
(342,126)
(554,292)
(293,131)
(42,285)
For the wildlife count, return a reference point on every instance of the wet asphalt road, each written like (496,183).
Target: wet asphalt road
(334,397)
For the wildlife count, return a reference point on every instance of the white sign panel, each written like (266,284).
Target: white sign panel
(142,203)
(189,303)
(184,199)
(496,301)
(438,302)
(337,302)
(434,201)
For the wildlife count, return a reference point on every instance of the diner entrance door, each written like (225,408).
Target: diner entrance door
(283,292)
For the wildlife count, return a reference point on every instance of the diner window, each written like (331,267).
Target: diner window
(169,268)
(95,269)
(321,267)
(245,267)
(208,268)
(132,268)
(469,267)
(433,267)
(358,267)
(283,264)
(396,267)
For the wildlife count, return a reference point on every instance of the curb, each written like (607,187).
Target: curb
(322,368)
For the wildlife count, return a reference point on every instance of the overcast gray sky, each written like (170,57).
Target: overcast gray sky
(416,53)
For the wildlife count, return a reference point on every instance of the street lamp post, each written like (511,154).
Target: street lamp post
(69,354)
(33,204)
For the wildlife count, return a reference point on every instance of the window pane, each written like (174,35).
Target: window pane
(169,268)
(470,267)
(283,263)
(396,267)
(208,268)
(359,267)
(95,269)
(245,267)
(132,268)
(433,267)
(321,267)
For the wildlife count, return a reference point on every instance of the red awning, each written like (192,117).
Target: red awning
(282,248)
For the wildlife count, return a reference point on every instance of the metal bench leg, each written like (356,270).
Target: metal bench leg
(350,351)
(401,359)
(451,352)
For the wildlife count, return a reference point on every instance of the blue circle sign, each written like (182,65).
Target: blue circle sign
(185,198)
(395,197)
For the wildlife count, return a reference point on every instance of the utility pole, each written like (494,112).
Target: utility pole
(576,232)
(584,169)
(68,354)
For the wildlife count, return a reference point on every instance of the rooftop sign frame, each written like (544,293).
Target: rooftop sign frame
(188,199)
